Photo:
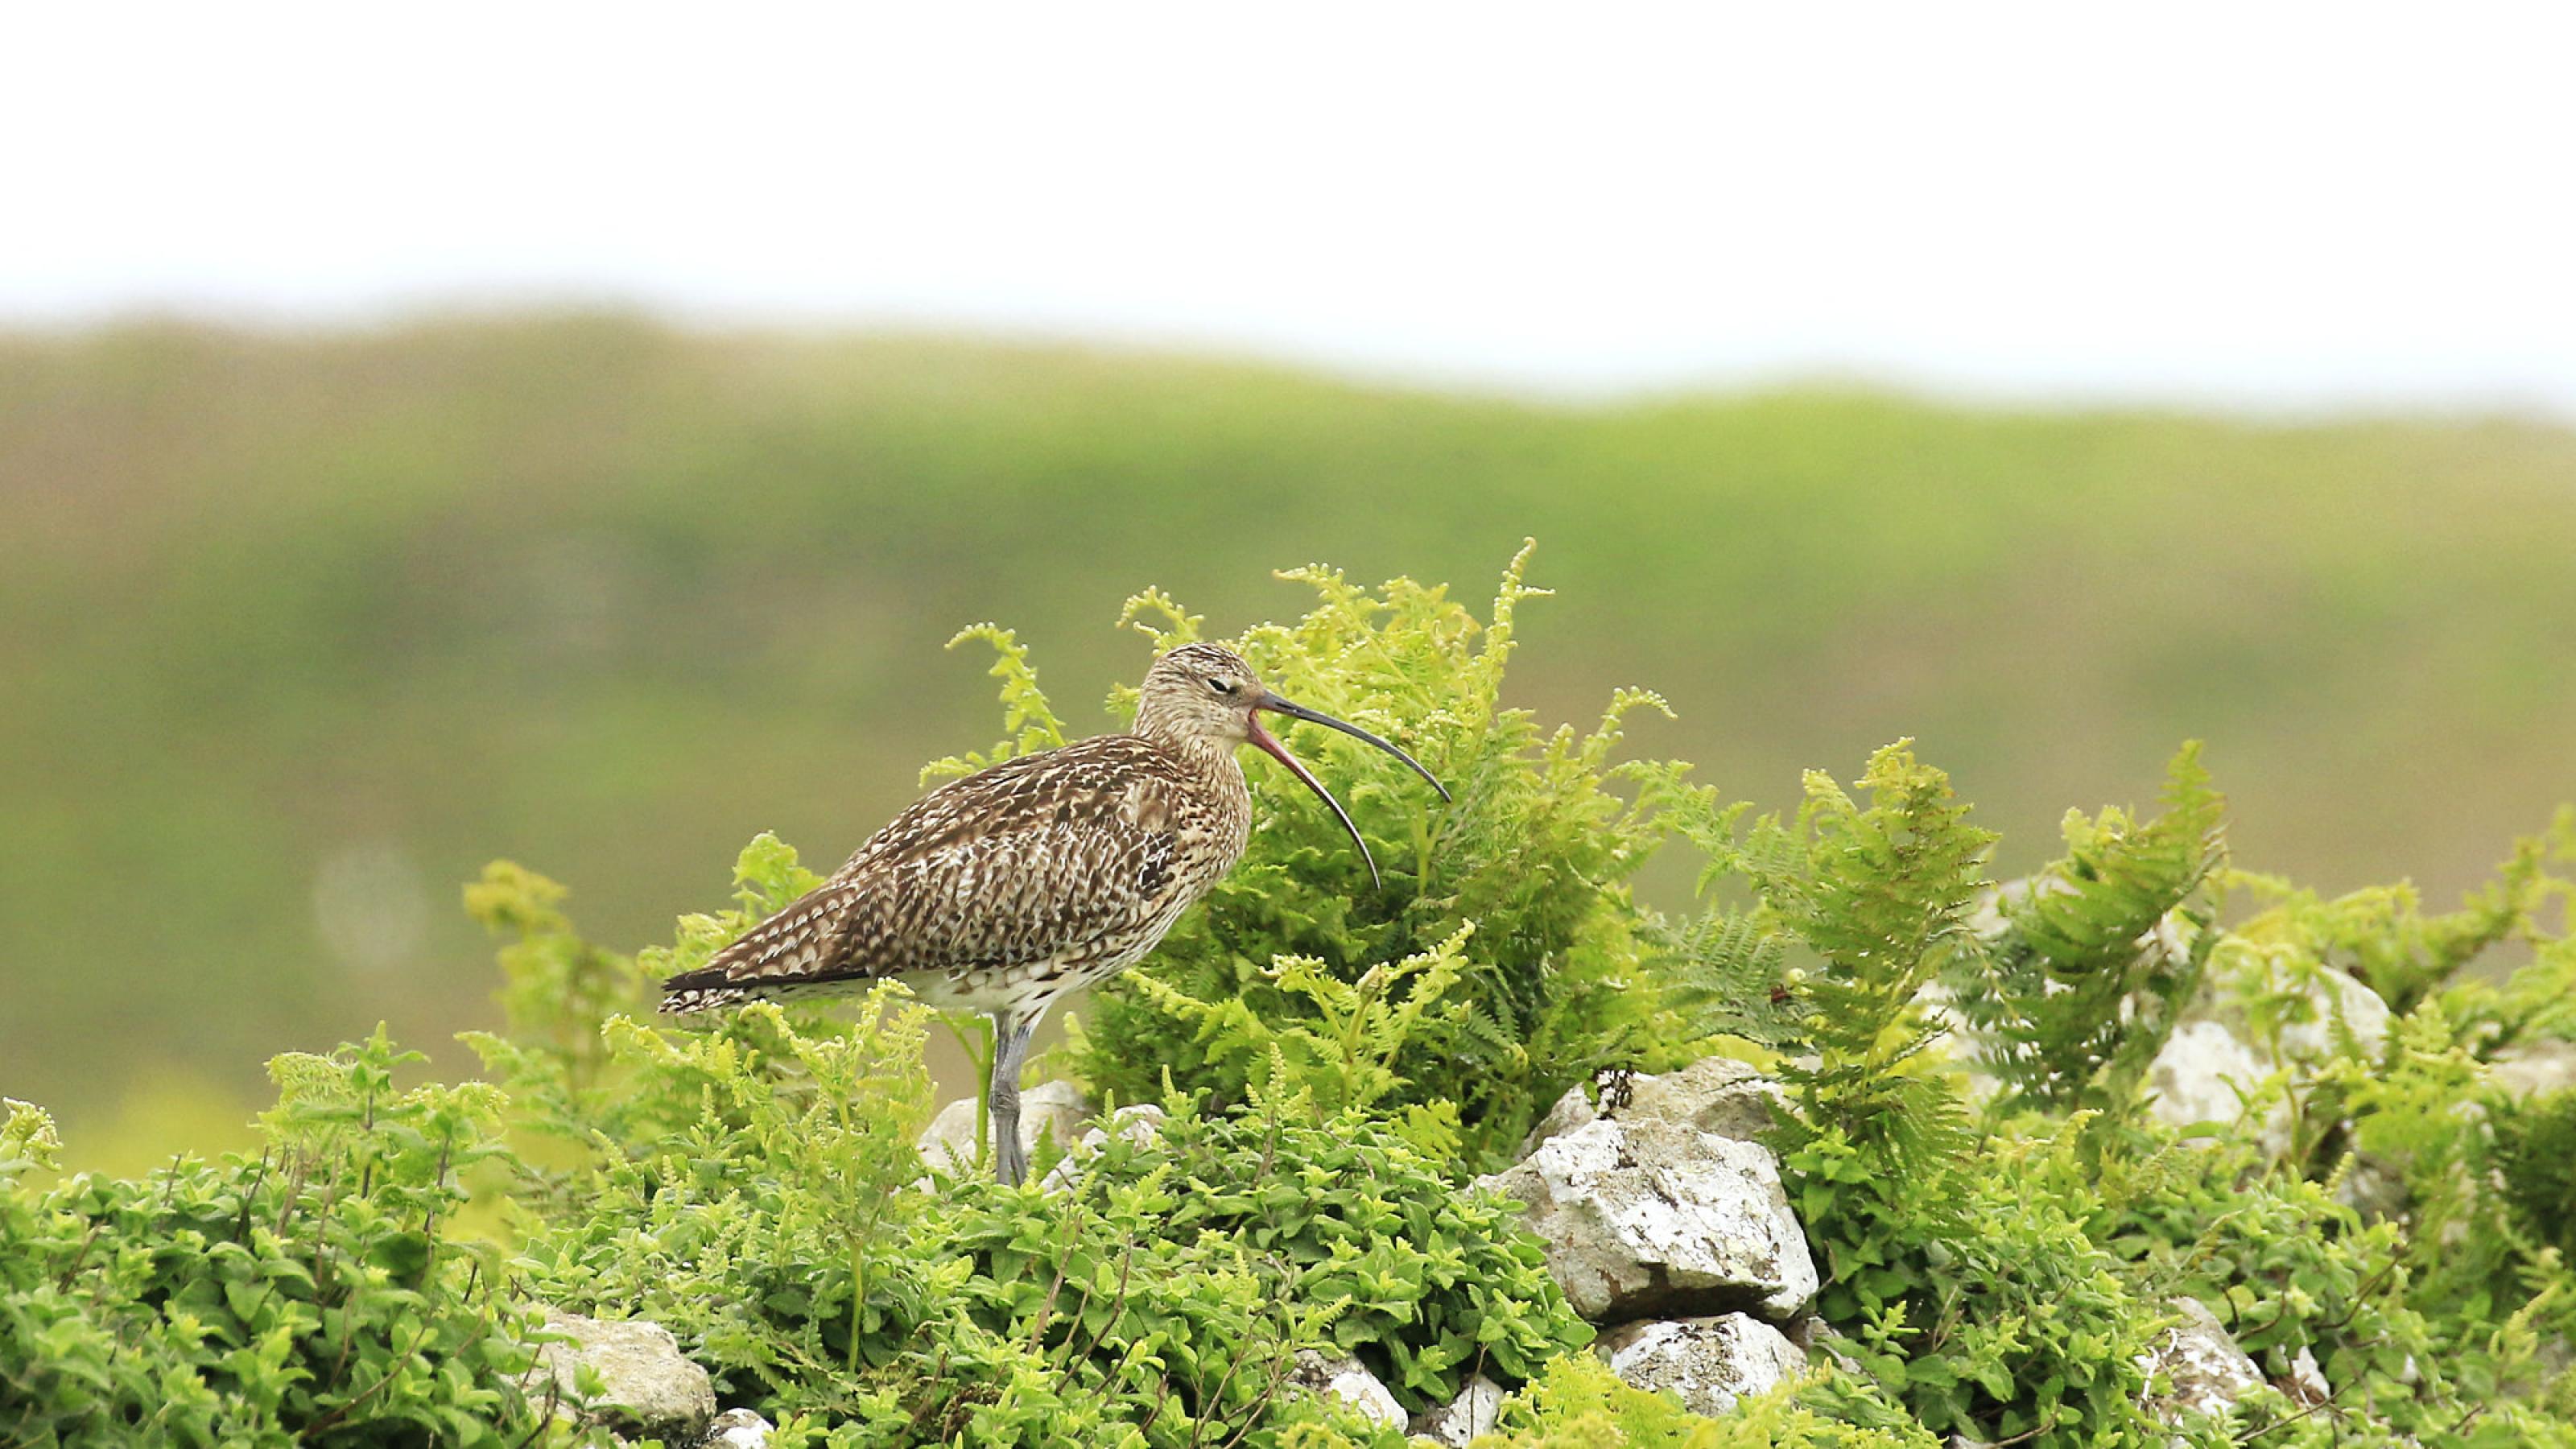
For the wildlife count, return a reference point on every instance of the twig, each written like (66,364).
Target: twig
(400,1361)
(2250,1435)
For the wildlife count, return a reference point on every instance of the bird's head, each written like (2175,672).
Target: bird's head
(1207,692)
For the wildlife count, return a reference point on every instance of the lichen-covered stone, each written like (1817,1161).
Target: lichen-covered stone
(1455,1424)
(646,1387)
(2195,1366)
(2214,1054)
(1650,1218)
(1572,1110)
(1345,1379)
(1714,1094)
(1711,1362)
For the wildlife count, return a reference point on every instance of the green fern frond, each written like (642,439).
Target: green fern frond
(1029,723)
(2098,953)
(1179,627)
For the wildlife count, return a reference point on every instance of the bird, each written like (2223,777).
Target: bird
(1006,890)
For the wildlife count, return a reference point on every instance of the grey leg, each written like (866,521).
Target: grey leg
(1011,1033)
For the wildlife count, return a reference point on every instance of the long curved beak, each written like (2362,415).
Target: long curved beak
(1279,752)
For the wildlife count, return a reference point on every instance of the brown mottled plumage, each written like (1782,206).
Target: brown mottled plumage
(1005,890)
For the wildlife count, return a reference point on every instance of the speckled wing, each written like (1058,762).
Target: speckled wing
(1048,860)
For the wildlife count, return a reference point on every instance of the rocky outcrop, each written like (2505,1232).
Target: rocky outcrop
(646,1388)
(1664,1221)
(1715,1094)
(1651,1218)
(1345,1379)
(1455,1424)
(1049,1107)
(2195,1366)
(1711,1362)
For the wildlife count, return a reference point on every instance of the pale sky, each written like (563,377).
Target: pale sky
(2259,206)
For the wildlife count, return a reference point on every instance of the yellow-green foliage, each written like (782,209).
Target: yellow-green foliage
(608,595)
(754,1189)
(1580,1404)
(316,1291)
(1559,979)
(2098,952)
(1334,1061)
(2001,1278)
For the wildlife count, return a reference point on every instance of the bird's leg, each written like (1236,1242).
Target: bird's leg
(1011,1033)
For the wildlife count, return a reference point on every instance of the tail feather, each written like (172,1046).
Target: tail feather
(793,952)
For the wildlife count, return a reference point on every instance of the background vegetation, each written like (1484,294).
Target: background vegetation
(296,632)
(1997,1263)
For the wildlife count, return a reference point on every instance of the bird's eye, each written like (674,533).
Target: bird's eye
(1222,686)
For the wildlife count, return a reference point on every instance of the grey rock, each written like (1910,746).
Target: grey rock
(2343,1004)
(1711,1362)
(2195,1366)
(738,1429)
(2213,1053)
(1572,1110)
(647,1389)
(2535,1068)
(1048,1107)
(2197,1076)
(1714,1094)
(2305,1382)
(1345,1379)
(1650,1218)
(1140,1124)
(1455,1424)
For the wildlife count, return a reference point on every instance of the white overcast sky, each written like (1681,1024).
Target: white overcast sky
(2267,206)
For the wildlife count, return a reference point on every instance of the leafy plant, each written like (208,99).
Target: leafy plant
(1560,979)
(1581,1404)
(1880,894)
(1343,1059)
(2099,953)
(315,1292)
(1330,1059)
(1426,1283)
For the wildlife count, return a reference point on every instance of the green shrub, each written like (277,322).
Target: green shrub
(2536,1153)
(1424,1282)
(754,1189)
(2097,953)
(315,1292)
(1333,1061)
(1559,980)
(1580,1404)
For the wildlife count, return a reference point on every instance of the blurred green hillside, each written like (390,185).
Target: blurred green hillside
(297,632)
